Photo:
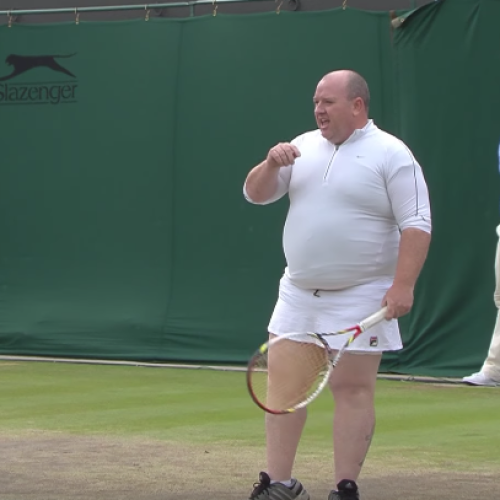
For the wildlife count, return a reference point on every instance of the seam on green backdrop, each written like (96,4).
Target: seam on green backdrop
(386,67)
(396,100)
(390,362)
(175,114)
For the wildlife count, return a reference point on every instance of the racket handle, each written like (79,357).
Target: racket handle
(373,319)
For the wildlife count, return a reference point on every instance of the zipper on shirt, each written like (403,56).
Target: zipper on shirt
(325,176)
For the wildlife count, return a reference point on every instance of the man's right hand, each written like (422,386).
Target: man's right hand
(282,155)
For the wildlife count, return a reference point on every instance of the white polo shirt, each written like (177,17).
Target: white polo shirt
(348,204)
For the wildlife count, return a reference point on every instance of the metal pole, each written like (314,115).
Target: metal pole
(110,8)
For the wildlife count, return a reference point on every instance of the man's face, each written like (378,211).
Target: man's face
(334,113)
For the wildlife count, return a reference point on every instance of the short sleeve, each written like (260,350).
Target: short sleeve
(407,190)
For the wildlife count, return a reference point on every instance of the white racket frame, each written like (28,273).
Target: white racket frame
(331,361)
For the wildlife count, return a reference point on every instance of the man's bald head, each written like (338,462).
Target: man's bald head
(354,84)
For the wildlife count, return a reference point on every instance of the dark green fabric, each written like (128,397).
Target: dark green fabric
(85,191)
(448,77)
(124,230)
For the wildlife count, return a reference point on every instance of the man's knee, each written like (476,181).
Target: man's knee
(355,376)
(352,392)
(344,387)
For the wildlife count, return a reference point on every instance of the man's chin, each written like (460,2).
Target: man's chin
(325,133)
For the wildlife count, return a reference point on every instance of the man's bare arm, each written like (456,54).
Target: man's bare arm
(263,180)
(413,249)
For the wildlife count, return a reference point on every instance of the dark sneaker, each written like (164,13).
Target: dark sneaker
(347,490)
(264,490)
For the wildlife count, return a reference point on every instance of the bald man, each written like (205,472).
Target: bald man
(355,239)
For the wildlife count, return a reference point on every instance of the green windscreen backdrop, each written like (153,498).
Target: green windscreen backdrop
(447,79)
(125,145)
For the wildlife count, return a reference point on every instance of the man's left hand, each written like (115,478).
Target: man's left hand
(399,300)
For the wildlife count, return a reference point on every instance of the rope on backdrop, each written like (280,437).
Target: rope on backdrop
(12,14)
(293,5)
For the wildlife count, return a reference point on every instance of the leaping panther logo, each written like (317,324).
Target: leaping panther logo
(21,64)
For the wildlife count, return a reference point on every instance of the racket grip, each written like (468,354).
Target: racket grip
(373,319)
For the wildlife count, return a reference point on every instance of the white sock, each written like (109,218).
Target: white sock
(288,483)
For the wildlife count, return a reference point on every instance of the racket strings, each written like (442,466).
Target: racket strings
(288,373)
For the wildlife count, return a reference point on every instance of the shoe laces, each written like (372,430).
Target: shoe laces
(262,486)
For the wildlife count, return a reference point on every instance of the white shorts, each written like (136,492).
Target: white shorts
(299,310)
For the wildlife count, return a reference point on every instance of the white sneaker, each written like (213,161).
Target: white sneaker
(480,378)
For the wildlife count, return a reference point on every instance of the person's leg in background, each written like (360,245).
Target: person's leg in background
(353,387)
(489,375)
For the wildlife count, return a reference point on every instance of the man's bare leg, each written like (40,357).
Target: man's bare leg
(286,383)
(353,387)
(283,437)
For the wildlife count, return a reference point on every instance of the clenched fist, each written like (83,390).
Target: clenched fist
(282,155)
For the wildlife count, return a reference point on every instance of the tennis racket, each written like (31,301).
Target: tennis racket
(289,371)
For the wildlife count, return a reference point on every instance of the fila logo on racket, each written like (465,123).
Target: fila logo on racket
(373,341)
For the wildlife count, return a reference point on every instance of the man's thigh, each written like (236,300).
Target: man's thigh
(356,370)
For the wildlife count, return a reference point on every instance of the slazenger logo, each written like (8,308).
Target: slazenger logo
(13,91)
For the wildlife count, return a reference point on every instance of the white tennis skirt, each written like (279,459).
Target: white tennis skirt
(321,311)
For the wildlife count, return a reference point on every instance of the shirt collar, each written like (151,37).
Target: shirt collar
(360,132)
